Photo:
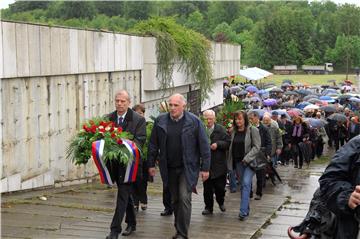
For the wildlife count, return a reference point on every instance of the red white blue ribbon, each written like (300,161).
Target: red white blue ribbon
(97,153)
(131,168)
(133,164)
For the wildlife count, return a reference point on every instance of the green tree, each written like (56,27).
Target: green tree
(138,10)
(195,21)
(68,10)
(224,33)
(110,8)
(242,23)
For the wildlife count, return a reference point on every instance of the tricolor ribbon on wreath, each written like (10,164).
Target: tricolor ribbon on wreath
(131,168)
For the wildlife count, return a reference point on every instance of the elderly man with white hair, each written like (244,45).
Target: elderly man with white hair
(276,140)
(219,143)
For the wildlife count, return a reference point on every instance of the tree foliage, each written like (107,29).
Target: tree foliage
(270,32)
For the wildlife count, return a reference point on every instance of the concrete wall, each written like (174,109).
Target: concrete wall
(54,78)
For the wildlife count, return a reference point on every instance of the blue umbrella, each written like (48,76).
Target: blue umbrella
(259,111)
(270,102)
(355,99)
(327,98)
(304,92)
(251,88)
(316,123)
(282,112)
(302,105)
(329,91)
(262,92)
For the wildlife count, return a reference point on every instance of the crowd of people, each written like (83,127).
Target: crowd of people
(289,125)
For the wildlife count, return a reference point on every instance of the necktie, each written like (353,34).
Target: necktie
(120,122)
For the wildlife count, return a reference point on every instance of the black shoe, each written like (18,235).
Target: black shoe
(136,208)
(112,235)
(222,208)
(207,212)
(129,229)
(166,213)
(177,236)
(258,197)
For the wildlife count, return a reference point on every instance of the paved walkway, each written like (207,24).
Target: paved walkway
(85,211)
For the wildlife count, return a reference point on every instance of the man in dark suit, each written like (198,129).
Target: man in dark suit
(219,143)
(179,139)
(133,123)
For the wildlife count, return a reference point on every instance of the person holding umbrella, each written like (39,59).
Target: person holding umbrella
(299,134)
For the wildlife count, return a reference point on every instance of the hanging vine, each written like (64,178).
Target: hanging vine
(177,43)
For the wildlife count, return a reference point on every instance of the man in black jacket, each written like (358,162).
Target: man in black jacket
(219,143)
(266,147)
(133,123)
(340,188)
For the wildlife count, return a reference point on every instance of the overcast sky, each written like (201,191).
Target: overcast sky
(5,3)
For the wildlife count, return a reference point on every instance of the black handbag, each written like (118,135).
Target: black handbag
(260,161)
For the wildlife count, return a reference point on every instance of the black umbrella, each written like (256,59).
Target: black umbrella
(288,81)
(286,84)
(306,98)
(276,89)
(287,104)
(343,97)
(243,92)
(325,86)
(304,92)
(328,109)
(338,117)
(314,101)
(291,93)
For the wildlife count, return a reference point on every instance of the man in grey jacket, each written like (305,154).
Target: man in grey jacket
(179,139)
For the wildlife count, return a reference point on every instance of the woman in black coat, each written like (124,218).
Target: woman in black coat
(298,135)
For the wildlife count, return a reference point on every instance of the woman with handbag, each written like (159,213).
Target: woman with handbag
(245,144)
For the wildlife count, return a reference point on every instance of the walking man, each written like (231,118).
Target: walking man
(135,124)
(180,139)
(219,143)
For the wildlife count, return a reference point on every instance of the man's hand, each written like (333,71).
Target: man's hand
(152,172)
(354,199)
(204,176)
(213,146)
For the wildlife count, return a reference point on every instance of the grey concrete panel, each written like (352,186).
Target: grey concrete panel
(22,50)
(120,52)
(111,52)
(9,49)
(90,54)
(34,50)
(55,52)
(82,51)
(45,51)
(65,51)
(74,51)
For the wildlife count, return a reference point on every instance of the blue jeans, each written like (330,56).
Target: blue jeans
(232,180)
(245,179)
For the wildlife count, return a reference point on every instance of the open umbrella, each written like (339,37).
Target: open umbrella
(288,81)
(316,123)
(251,88)
(234,89)
(295,112)
(304,92)
(344,97)
(243,92)
(255,99)
(302,105)
(329,91)
(338,117)
(286,84)
(346,87)
(282,112)
(311,97)
(355,99)
(270,102)
(225,82)
(328,109)
(262,92)
(290,93)
(276,90)
(315,101)
(287,105)
(327,98)
(259,111)
(311,107)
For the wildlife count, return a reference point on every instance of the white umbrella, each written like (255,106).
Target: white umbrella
(311,107)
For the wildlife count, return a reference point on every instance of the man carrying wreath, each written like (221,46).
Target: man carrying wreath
(180,140)
(133,123)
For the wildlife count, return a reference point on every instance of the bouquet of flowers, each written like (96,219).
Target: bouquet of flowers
(100,140)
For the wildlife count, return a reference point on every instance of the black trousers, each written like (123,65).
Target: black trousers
(260,181)
(167,199)
(181,200)
(140,192)
(217,186)
(124,203)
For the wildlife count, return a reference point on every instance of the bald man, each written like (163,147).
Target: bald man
(179,139)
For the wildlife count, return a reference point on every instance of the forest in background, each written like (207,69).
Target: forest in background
(270,33)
